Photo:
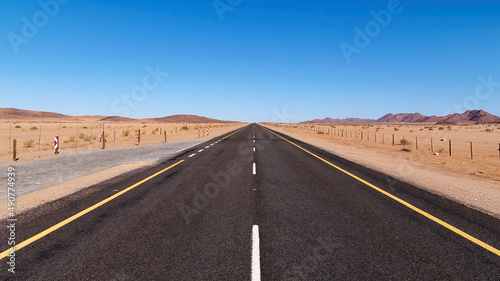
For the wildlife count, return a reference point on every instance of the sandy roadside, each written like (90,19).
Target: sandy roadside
(478,193)
(50,194)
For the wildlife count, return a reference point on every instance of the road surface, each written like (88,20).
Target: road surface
(254,205)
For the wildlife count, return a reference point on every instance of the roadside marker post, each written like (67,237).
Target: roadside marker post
(56,145)
(208,131)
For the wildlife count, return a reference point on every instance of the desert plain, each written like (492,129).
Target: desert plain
(35,138)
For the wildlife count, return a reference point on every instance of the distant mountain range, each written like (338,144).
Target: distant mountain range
(468,117)
(21,114)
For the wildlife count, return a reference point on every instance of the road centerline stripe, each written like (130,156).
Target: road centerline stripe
(200,150)
(255,253)
(401,201)
(192,155)
(81,213)
(254,169)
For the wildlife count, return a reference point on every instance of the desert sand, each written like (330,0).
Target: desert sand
(35,138)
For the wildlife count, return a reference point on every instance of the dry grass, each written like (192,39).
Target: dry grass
(28,143)
(69,139)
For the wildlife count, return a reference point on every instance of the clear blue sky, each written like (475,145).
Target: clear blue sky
(265,61)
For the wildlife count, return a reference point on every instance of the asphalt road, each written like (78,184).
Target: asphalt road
(282,211)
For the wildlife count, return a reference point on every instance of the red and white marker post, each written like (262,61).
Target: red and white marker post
(56,145)
(208,131)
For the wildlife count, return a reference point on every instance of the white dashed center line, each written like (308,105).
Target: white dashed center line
(192,155)
(200,150)
(254,169)
(254,149)
(207,146)
(255,254)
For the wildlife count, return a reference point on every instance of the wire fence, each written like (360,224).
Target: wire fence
(438,143)
(39,136)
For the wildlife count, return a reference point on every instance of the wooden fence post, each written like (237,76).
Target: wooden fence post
(103,137)
(432,146)
(139,137)
(393,139)
(14,150)
(471,155)
(450,146)
(165,133)
(416,143)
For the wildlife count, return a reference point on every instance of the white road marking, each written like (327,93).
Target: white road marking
(253,140)
(254,169)
(192,155)
(255,253)
(211,144)
(207,146)
(200,150)
(254,149)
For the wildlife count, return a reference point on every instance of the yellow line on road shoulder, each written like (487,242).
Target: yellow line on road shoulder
(420,211)
(74,217)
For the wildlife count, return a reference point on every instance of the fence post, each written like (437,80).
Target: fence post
(103,137)
(14,142)
(471,155)
(361,135)
(375,137)
(416,143)
(139,137)
(450,146)
(393,139)
(368,135)
(165,133)
(432,146)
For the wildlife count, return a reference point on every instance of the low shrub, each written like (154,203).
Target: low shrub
(28,143)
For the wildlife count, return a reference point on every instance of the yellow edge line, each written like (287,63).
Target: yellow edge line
(425,214)
(233,133)
(74,217)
